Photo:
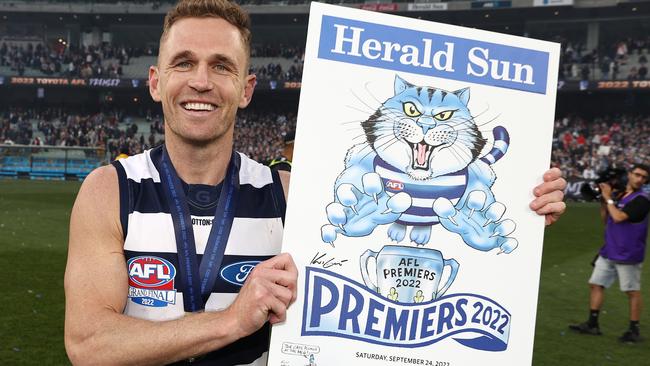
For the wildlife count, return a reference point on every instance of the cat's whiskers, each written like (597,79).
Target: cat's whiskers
(365,86)
(360,110)
(488,121)
(385,146)
(383,129)
(372,149)
(480,113)
(455,151)
(356,121)
(363,102)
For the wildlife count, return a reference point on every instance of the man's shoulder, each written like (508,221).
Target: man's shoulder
(98,198)
(638,207)
(641,197)
(102,178)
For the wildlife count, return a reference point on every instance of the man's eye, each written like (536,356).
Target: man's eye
(220,68)
(183,65)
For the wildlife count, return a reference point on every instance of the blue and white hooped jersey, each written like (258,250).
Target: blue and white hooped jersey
(150,244)
(423,193)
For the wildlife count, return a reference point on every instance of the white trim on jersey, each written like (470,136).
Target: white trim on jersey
(246,236)
(254,173)
(133,167)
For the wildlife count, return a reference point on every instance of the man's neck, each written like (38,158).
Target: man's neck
(628,190)
(195,164)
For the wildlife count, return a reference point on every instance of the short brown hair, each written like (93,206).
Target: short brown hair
(225,9)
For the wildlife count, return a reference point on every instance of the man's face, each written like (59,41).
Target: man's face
(201,79)
(637,178)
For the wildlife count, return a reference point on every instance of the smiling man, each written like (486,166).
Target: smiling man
(173,253)
(170,237)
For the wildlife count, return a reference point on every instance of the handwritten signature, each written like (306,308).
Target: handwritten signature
(326,262)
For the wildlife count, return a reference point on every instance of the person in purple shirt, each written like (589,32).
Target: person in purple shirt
(626,226)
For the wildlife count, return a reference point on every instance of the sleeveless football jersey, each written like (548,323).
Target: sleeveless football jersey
(150,244)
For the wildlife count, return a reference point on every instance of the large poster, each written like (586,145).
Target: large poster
(417,148)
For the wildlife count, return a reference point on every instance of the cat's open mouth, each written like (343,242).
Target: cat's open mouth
(421,154)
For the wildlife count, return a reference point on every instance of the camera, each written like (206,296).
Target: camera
(615,177)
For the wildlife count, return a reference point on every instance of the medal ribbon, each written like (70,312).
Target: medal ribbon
(199,279)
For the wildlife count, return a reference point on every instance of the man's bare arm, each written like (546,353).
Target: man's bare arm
(96,285)
(611,209)
(285,178)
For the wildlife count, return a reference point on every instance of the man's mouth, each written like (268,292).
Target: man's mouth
(421,153)
(198,106)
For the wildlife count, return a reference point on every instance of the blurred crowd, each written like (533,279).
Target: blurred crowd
(107,60)
(85,62)
(62,127)
(625,59)
(273,71)
(278,50)
(258,134)
(583,147)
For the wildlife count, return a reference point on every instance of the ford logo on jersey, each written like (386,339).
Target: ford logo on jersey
(151,281)
(237,273)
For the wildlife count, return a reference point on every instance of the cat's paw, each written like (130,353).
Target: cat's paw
(396,232)
(420,235)
(357,211)
(480,225)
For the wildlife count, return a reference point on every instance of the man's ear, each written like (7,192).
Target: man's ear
(153,83)
(249,87)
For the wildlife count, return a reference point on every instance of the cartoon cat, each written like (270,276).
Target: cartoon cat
(420,166)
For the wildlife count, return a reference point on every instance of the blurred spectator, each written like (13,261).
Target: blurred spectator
(582,148)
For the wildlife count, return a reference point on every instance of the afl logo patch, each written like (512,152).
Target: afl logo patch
(394,185)
(237,273)
(151,281)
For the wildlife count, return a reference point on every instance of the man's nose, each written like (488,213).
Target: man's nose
(200,79)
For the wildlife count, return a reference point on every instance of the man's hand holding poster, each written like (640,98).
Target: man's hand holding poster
(417,146)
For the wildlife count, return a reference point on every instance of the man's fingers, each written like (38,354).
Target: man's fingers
(545,200)
(281,277)
(552,174)
(555,210)
(551,218)
(277,310)
(552,182)
(282,261)
(280,270)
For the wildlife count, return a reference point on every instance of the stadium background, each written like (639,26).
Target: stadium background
(73,95)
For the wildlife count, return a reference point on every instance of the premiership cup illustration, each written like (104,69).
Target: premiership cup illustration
(408,275)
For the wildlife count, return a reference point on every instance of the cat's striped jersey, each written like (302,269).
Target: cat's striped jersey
(423,193)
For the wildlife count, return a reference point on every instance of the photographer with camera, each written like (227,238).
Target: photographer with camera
(625,214)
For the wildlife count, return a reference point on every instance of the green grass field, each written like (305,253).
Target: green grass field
(34,219)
